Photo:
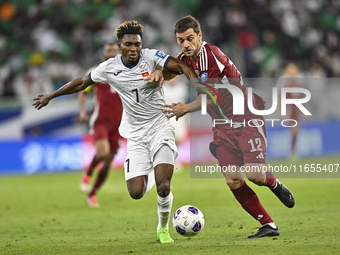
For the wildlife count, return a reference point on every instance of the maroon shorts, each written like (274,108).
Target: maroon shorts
(110,133)
(245,144)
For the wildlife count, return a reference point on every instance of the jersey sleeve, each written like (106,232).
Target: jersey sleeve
(220,58)
(179,56)
(224,64)
(89,89)
(158,57)
(99,74)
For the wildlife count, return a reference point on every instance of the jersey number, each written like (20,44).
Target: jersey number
(137,97)
(127,162)
(258,143)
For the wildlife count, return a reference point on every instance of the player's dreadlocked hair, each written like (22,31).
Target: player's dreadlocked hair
(129,27)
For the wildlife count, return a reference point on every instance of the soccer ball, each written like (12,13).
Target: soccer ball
(188,220)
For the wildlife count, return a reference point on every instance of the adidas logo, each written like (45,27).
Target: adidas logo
(260,155)
(259,217)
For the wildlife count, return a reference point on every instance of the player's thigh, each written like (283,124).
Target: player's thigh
(164,160)
(164,136)
(229,162)
(114,140)
(138,160)
(102,147)
(136,186)
(163,152)
(101,138)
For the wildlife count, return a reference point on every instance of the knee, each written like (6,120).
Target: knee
(163,189)
(136,193)
(258,181)
(234,183)
(103,154)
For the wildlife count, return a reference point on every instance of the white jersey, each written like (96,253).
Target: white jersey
(143,107)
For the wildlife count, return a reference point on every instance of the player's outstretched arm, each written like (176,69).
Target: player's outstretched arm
(71,87)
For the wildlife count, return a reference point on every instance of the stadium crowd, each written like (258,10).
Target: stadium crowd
(44,43)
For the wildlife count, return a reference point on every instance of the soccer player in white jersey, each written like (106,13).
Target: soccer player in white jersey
(151,142)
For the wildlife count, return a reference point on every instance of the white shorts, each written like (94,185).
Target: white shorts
(141,153)
(180,127)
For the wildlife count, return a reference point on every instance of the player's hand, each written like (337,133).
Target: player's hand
(40,101)
(175,110)
(156,76)
(83,117)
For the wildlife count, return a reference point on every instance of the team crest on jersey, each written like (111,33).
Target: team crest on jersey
(204,77)
(160,54)
(143,67)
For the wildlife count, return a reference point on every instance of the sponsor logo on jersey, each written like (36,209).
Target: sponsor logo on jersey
(160,54)
(204,77)
(260,156)
(145,74)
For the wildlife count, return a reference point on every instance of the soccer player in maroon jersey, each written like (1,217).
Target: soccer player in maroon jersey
(104,123)
(233,145)
(292,78)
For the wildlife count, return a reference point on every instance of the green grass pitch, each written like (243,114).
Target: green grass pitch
(47,214)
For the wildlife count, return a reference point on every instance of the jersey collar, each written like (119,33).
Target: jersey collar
(201,49)
(130,67)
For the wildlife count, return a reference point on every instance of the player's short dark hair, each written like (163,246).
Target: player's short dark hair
(186,23)
(130,27)
(109,44)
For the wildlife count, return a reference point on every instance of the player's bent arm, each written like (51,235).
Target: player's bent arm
(71,87)
(180,66)
(167,75)
(82,112)
(174,65)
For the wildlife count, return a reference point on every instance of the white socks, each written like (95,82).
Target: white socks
(272,224)
(151,181)
(164,205)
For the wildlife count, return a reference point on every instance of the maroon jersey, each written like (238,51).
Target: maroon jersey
(211,63)
(285,82)
(108,106)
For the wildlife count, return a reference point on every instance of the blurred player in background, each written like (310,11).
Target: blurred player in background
(233,145)
(175,90)
(292,78)
(104,123)
(151,141)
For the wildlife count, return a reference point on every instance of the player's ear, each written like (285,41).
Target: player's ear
(200,35)
(119,45)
